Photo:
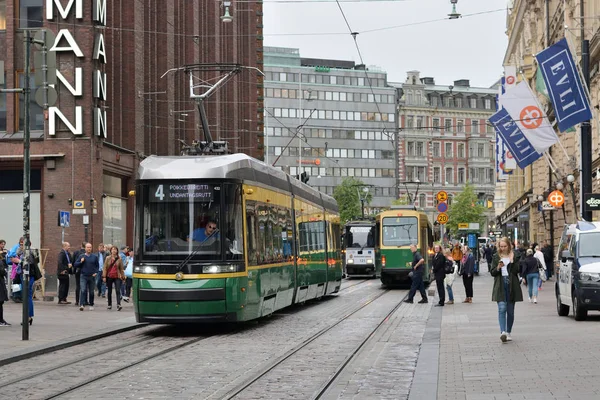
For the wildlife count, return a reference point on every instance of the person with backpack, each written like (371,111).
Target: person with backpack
(439,272)
(450,275)
(113,275)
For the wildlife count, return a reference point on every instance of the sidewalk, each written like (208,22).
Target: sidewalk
(55,324)
(551,357)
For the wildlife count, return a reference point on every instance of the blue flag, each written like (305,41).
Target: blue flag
(521,149)
(564,85)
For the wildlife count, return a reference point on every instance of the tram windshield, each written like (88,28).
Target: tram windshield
(400,231)
(358,237)
(180,218)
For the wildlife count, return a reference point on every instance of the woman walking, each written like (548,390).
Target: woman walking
(449,279)
(506,291)
(113,274)
(467,271)
(529,271)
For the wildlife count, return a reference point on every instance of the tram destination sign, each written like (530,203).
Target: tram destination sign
(181,192)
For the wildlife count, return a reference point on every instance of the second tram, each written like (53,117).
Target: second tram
(359,249)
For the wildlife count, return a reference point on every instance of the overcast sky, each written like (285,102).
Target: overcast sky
(471,47)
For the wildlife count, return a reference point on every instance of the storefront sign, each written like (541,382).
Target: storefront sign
(592,201)
(65,42)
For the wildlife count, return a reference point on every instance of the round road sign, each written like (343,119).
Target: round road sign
(442,207)
(442,196)
(442,218)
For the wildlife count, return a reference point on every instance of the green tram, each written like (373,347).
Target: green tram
(228,238)
(396,230)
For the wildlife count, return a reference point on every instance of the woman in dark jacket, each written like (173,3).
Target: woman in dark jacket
(467,270)
(529,271)
(506,291)
(439,271)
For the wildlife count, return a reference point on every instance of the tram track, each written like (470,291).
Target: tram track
(351,286)
(238,390)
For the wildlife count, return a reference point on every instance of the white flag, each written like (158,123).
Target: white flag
(510,77)
(523,107)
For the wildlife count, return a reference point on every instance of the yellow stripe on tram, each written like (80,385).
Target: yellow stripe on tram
(191,276)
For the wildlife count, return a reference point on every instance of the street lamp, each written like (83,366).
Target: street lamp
(571,180)
(363,198)
(454,14)
(226,17)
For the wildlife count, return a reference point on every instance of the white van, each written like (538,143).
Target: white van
(578,278)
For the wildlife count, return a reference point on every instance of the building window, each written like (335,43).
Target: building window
(460,151)
(423,200)
(460,126)
(449,178)
(409,98)
(436,174)
(419,122)
(481,150)
(448,152)
(475,126)
(436,124)
(450,199)
(419,149)
(410,148)
(421,173)
(458,102)
(30,14)
(436,149)
(461,175)
(473,102)
(409,121)
(434,101)
(448,101)
(448,125)
(488,104)
(36,113)
(2,15)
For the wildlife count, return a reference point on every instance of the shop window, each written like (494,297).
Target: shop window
(2,15)
(30,13)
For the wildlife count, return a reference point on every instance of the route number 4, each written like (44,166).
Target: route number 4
(160,193)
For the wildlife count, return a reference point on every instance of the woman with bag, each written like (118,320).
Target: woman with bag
(506,291)
(113,274)
(529,271)
(542,266)
(449,279)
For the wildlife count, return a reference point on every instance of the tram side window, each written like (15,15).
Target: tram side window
(269,233)
(252,234)
(234,229)
(312,238)
(336,236)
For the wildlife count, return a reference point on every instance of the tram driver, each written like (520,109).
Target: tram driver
(209,231)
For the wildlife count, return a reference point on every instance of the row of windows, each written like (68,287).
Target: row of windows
(344,172)
(476,175)
(332,153)
(324,79)
(480,150)
(420,122)
(335,115)
(331,133)
(375,191)
(448,101)
(333,96)
(29,13)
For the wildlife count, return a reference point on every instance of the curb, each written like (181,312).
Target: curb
(70,342)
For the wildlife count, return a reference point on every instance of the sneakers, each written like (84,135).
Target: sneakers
(423,301)
(4,323)
(126,299)
(534,299)
(109,308)
(504,337)
(530,299)
(508,338)
(119,307)
(450,302)
(80,308)
(91,308)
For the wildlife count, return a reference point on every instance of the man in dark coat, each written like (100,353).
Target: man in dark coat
(548,253)
(439,271)
(77,272)
(417,278)
(65,268)
(87,263)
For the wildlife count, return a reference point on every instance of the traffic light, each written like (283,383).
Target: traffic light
(304,177)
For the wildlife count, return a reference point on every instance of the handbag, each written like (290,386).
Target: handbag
(449,267)
(541,271)
(410,274)
(16,288)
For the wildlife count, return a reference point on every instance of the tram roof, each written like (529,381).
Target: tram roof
(230,166)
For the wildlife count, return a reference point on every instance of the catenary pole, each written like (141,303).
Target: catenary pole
(26,190)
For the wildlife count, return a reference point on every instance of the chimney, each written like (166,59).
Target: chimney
(462,83)
(428,81)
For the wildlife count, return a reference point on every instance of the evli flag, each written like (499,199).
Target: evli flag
(514,138)
(565,89)
(524,108)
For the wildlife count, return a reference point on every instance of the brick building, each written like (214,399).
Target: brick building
(115,107)
(444,142)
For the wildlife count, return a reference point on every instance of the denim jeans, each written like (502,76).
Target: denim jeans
(532,284)
(100,285)
(87,284)
(450,293)
(506,309)
(417,284)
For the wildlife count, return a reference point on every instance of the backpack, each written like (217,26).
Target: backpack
(449,267)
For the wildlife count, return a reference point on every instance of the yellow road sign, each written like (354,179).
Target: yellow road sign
(442,218)
(463,226)
(442,196)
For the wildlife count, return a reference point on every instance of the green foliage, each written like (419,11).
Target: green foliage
(465,209)
(401,201)
(347,198)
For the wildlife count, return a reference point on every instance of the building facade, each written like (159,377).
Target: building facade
(444,142)
(115,106)
(323,118)
(532,26)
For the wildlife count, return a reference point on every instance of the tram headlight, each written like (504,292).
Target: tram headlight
(350,261)
(217,269)
(369,261)
(145,269)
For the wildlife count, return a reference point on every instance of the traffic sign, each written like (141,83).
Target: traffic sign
(64,219)
(442,196)
(442,207)
(79,204)
(463,226)
(556,198)
(442,218)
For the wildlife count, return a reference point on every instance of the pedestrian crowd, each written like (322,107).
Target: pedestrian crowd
(102,271)
(510,267)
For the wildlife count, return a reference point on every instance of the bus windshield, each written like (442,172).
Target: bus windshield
(180,218)
(400,231)
(359,237)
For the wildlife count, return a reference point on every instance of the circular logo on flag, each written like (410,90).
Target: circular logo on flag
(510,80)
(531,117)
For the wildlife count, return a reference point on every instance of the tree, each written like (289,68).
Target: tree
(403,200)
(465,209)
(347,197)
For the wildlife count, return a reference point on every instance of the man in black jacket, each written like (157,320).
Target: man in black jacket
(77,272)
(548,253)
(65,266)
(439,271)
(87,263)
